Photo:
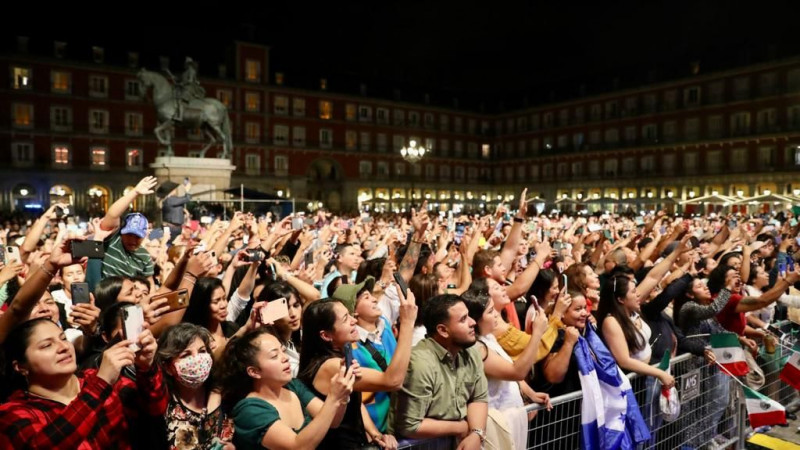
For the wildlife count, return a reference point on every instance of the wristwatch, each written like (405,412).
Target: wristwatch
(481,433)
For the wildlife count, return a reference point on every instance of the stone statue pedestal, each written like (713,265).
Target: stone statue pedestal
(206,174)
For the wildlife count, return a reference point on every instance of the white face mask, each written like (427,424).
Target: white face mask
(194,370)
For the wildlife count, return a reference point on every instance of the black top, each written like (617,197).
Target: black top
(664,333)
(572,381)
(172,209)
(351,433)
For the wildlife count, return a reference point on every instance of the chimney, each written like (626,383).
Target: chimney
(323,84)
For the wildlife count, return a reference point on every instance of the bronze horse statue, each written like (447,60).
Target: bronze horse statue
(206,114)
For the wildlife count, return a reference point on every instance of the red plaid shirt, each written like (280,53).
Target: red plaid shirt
(97,418)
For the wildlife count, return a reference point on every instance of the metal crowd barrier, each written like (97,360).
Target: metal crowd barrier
(712,408)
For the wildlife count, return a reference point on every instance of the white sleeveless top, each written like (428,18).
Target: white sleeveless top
(502,394)
(645,353)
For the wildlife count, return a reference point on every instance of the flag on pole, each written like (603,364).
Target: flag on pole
(610,416)
(762,410)
(791,371)
(729,353)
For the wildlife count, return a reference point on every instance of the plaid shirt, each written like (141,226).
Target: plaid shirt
(98,417)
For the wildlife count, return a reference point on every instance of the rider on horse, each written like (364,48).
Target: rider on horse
(186,89)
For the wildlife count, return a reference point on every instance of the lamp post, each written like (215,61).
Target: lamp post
(412,154)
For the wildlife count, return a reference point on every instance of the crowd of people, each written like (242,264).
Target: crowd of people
(362,331)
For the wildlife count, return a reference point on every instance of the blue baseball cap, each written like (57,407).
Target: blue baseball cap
(135,223)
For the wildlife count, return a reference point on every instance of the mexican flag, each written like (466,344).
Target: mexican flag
(729,353)
(762,410)
(791,371)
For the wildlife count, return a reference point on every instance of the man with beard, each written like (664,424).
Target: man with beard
(445,392)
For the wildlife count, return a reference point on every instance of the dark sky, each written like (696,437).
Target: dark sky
(491,52)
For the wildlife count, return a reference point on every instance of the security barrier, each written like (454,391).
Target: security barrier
(712,407)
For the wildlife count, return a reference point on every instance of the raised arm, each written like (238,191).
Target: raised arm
(118,208)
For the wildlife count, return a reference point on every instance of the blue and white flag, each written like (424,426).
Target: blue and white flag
(610,416)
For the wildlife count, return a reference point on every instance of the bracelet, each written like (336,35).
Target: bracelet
(190,280)
(190,274)
(52,275)
(417,242)
(519,220)
(537,263)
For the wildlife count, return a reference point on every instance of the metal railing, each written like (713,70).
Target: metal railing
(712,414)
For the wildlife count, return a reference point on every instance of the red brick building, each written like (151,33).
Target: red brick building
(83,131)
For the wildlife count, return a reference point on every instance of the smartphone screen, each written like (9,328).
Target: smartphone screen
(80,293)
(133,324)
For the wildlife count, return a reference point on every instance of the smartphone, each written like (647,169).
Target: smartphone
(790,264)
(297,223)
(80,293)
(132,324)
(3,254)
(782,269)
(593,227)
(451,224)
(201,247)
(61,212)
(90,249)
(366,220)
(348,356)
(566,280)
(401,283)
(254,256)
(275,310)
(176,300)
(460,226)
(607,234)
(12,253)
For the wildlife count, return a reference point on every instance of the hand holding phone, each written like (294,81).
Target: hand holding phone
(176,300)
(401,283)
(133,324)
(80,293)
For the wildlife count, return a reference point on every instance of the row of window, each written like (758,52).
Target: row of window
(22,155)
(738,124)
(365,170)
(61,83)
(713,93)
(716,161)
(61,119)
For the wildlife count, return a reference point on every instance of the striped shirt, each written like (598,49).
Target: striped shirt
(120,262)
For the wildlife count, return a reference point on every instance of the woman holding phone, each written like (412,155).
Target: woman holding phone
(329,330)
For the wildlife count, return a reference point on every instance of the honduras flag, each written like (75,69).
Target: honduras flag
(610,416)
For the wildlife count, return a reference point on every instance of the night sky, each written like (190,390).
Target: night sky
(492,55)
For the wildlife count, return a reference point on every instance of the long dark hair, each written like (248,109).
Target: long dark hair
(199,311)
(424,287)
(614,290)
(541,285)
(14,349)
(281,289)
(231,372)
(476,302)
(318,316)
(716,279)
(685,297)
(107,291)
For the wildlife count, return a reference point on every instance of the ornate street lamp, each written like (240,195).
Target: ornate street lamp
(412,154)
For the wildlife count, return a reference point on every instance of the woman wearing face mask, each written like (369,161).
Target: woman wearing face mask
(57,408)
(270,409)
(194,417)
(288,328)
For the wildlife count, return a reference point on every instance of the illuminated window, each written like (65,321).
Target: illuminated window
(252,101)
(23,115)
(225,97)
(252,70)
(351,140)
(350,112)
(486,151)
(61,155)
(21,78)
(133,159)
(99,157)
(325,109)
(61,81)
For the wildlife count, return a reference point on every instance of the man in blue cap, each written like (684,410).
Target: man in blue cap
(124,254)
